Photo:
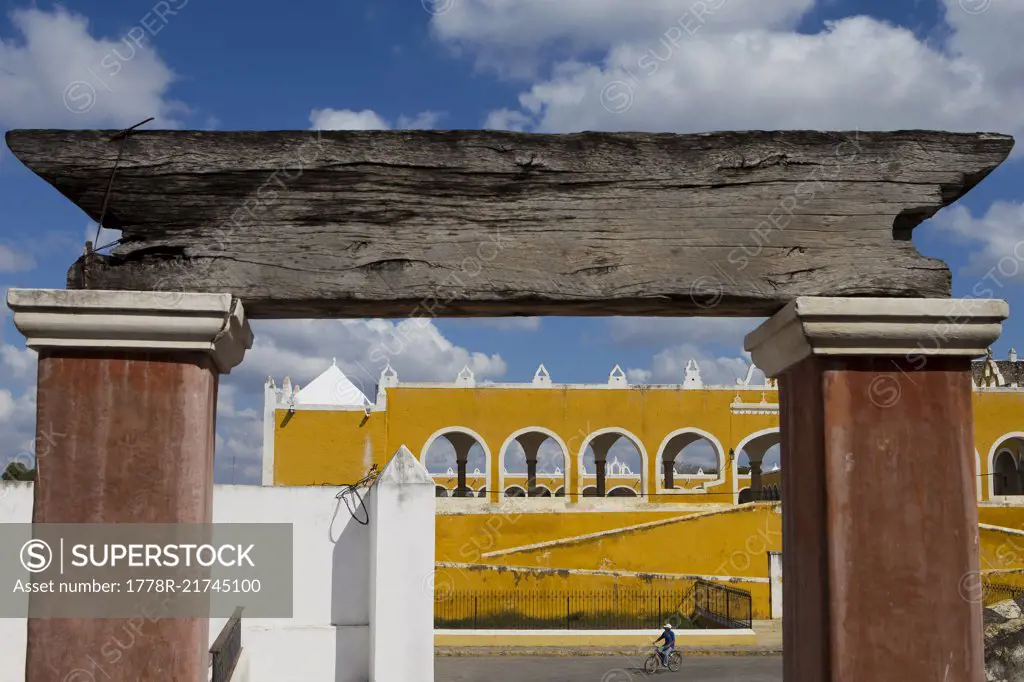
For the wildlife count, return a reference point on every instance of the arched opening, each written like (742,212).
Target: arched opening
(560,492)
(621,491)
(538,454)
(1005,468)
(690,458)
(590,491)
(460,454)
(757,455)
(482,492)
(612,458)
(514,491)
(440,491)
(745,496)
(1006,476)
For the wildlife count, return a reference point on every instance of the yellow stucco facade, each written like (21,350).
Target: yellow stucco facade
(652,534)
(323,446)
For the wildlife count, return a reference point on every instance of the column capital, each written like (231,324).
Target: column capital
(885,327)
(133,320)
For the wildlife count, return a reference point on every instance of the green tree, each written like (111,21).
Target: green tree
(16,471)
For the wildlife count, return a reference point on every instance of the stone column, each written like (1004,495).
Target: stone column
(601,445)
(531,443)
(126,417)
(462,442)
(669,468)
(871,591)
(755,480)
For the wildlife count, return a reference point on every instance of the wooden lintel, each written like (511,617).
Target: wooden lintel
(484,223)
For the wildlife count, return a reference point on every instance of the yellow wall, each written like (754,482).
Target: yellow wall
(465,537)
(315,446)
(319,446)
(733,543)
(1002,549)
(718,546)
(996,414)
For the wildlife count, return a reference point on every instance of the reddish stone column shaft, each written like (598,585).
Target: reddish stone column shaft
(880,522)
(123,438)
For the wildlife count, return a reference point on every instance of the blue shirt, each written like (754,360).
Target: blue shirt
(668,636)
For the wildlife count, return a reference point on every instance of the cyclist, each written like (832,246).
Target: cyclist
(670,643)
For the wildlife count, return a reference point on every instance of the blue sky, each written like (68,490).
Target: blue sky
(531,65)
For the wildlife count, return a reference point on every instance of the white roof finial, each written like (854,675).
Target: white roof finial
(692,379)
(541,376)
(465,377)
(334,362)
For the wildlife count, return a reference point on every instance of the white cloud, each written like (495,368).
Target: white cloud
(239,448)
(17,425)
(425,120)
(507,119)
(6,405)
(1000,234)
(346,119)
(13,260)
(669,367)
(739,73)
(415,348)
(227,394)
(20,362)
(512,35)
(367,119)
(56,74)
(646,331)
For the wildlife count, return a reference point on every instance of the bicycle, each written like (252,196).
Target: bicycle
(653,662)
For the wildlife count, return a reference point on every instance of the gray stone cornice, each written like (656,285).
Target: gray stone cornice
(132,320)
(885,327)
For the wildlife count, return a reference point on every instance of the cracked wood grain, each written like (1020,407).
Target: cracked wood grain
(484,223)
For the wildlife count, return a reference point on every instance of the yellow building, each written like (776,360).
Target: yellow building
(330,433)
(563,484)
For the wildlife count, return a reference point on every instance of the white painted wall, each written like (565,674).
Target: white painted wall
(775,582)
(401,602)
(328,638)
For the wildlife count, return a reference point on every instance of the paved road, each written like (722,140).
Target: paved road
(604,669)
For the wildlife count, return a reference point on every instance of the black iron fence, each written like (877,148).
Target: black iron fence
(566,610)
(719,606)
(613,609)
(993,593)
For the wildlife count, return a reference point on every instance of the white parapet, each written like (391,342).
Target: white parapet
(401,518)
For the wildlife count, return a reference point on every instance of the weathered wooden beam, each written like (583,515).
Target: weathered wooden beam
(466,223)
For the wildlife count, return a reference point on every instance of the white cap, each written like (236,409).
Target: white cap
(667,626)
